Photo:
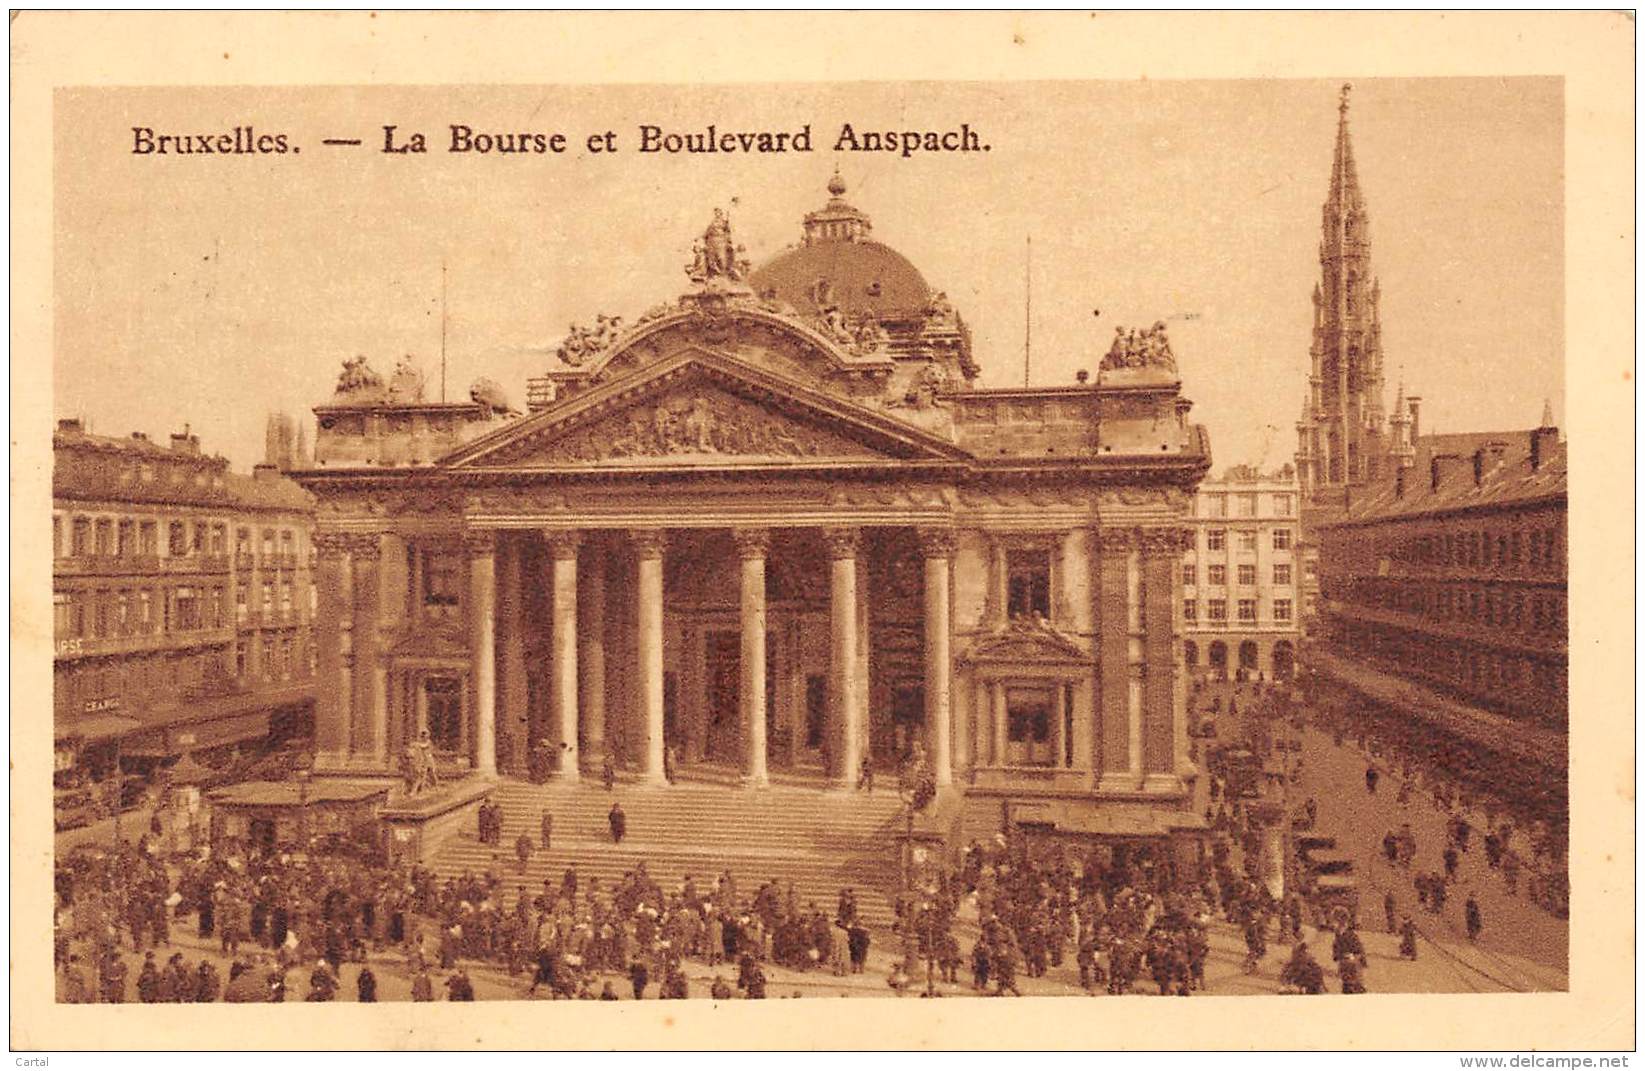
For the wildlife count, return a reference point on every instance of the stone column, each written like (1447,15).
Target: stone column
(1161,565)
(938,545)
(482,648)
(369,734)
(1113,646)
(648,553)
(1002,722)
(591,659)
(332,714)
(512,731)
(752,546)
(562,547)
(842,679)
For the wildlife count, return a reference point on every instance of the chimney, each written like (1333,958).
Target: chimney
(1415,403)
(71,426)
(1439,467)
(185,443)
(1543,441)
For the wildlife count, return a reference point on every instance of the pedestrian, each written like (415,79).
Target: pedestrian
(458,987)
(720,990)
(608,774)
(1408,939)
(547,829)
(1388,909)
(422,987)
(1450,857)
(638,978)
(522,851)
(1371,776)
(668,764)
(322,985)
(1471,916)
(619,823)
(865,777)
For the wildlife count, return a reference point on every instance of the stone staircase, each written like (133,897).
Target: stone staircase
(820,840)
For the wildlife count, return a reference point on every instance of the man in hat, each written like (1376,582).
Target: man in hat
(619,823)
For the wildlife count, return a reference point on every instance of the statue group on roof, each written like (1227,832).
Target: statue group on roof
(1148,349)
(715,255)
(582,343)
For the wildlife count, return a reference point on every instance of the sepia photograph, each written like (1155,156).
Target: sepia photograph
(888,538)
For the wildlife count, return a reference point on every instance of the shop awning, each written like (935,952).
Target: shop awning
(98,727)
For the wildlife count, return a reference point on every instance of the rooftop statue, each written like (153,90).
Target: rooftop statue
(406,385)
(357,378)
(715,255)
(581,343)
(489,393)
(1130,350)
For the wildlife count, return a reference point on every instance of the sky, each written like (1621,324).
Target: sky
(211,290)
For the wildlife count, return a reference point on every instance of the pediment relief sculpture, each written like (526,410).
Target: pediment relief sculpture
(699,423)
(1028,639)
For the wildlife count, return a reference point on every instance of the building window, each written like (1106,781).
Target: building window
(1282,573)
(148,539)
(1248,610)
(1282,609)
(285,658)
(80,537)
(1247,575)
(1190,575)
(287,557)
(177,539)
(285,595)
(188,609)
(56,536)
(1282,539)
(1247,505)
(1190,610)
(240,606)
(239,658)
(1216,574)
(1248,540)
(242,543)
(62,614)
(122,614)
(104,538)
(1028,583)
(1216,505)
(219,539)
(219,607)
(100,614)
(125,542)
(1216,539)
(1028,726)
(440,582)
(1216,609)
(1282,505)
(268,658)
(200,530)
(268,543)
(145,612)
(268,597)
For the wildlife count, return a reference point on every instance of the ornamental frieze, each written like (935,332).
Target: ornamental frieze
(421,502)
(697,422)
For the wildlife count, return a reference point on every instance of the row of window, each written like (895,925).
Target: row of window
(1247,573)
(1217,538)
(107,537)
(1522,683)
(1215,504)
(281,658)
(1216,610)
(142,612)
(1532,612)
(1535,548)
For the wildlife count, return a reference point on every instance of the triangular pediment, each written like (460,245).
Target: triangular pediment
(1027,640)
(700,409)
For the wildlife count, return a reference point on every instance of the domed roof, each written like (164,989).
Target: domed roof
(838,266)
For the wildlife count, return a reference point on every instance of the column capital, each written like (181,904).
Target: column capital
(563,542)
(842,542)
(751,542)
(331,546)
(365,546)
(648,542)
(1117,540)
(938,542)
(480,542)
(1168,541)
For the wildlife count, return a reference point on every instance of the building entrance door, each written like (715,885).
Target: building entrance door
(894,737)
(445,712)
(722,713)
